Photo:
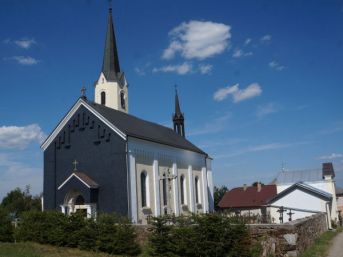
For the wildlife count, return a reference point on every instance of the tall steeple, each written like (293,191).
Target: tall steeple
(178,118)
(110,65)
(111,88)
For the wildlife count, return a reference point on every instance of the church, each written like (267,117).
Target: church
(100,158)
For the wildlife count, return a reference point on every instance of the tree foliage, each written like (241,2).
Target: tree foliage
(18,201)
(6,228)
(218,195)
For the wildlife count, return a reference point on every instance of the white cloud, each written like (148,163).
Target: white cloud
(139,71)
(23,60)
(266,39)
(205,68)
(25,43)
(251,91)
(180,69)
(262,148)
(214,126)
(276,66)
(237,53)
(20,137)
(266,109)
(198,40)
(331,156)
(247,41)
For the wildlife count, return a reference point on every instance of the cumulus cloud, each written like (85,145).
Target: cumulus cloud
(24,43)
(20,137)
(238,53)
(23,60)
(276,66)
(238,94)
(266,39)
(266,109)
(180,69)
(247,41)
(331,156)
(198,40)
(205,68)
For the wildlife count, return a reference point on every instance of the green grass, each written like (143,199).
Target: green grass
(321,246)
(38,250)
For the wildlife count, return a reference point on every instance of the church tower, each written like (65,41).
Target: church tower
(111,89)
(178,118)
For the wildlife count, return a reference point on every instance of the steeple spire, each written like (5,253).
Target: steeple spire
(178,118)
(110,65)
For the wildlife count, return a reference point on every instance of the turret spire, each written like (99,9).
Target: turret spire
(110,65)
(178,118)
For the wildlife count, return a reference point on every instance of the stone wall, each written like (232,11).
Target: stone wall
(288,239)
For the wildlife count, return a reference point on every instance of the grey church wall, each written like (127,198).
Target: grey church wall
(101,155)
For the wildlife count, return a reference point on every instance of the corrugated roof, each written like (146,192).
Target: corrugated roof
(238,197)
(294,176)
(135,127)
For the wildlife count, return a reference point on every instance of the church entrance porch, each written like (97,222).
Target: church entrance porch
(78,194)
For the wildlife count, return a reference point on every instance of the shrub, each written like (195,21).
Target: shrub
(6,228)
(199,235)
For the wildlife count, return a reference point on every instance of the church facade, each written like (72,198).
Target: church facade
(99,158)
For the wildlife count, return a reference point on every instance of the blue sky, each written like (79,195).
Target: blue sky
(260,82)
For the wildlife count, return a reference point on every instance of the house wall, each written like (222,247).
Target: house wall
(100,156)
(300,200)
(327,185)
(157,160)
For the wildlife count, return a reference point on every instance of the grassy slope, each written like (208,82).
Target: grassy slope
(321,246)
(37,250)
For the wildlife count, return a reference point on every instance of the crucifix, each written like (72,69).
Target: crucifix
(75,163)
(83,91)
(290,213)
(281,210)
(168,177)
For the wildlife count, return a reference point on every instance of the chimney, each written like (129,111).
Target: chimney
(259,186)
(245,187)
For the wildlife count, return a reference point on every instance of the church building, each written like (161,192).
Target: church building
(100,158)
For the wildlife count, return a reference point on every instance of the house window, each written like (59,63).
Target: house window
(103,98)
(164,186)
(197,191)
(144,182)
(122,100)
(182,189)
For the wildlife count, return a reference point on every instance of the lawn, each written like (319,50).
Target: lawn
(321,246)
(38,250)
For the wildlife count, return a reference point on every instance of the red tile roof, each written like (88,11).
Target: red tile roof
(238,197)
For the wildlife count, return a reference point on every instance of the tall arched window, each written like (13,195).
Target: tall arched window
(122,99)
(144,194)
(182,189)
(164,190)
(197,191)
(103,98)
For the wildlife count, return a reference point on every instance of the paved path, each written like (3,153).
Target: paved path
(336,249)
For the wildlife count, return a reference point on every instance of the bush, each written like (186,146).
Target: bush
(6,228)
(199,235)
(109,233)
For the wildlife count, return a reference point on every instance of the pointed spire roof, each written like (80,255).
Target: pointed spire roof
(110,65)
(178,113)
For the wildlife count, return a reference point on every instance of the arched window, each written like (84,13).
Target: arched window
(122,99)
(80,200)
(103,98)
(144,194)
(164,190)
(182,189)
(197,191)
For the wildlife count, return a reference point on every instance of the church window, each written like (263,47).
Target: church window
(182,189)
(103,98)
(144,182)
(197,197)
(79,200)
(164,186)
(122,100)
